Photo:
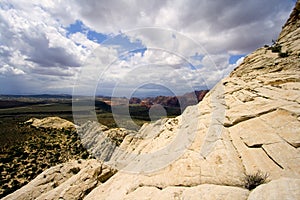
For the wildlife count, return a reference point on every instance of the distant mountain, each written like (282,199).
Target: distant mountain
(171,101)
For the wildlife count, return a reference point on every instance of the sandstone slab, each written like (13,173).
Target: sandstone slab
(283,188)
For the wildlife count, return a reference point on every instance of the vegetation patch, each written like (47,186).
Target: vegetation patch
(251,181)
(283,54)
(43,148)
(276,48)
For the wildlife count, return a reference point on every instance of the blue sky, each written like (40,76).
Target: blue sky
(78,26)
(234,58)
(46,45)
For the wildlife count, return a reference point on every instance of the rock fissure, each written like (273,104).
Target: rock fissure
(274,161)
(248,117)
(253,146)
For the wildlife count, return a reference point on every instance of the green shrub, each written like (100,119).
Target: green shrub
(251,181)
(276,48)
(283,54)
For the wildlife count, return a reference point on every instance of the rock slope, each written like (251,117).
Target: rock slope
(249,122)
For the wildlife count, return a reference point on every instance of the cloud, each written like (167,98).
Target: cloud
(32,43)
(234,25)
(10,70)
(38,47)
(38,42)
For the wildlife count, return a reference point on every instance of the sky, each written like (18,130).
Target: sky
(127,47)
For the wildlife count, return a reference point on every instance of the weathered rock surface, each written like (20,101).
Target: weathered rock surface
(250,121)
(51,122)
(100,140)
(72,180)
(205,191)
